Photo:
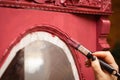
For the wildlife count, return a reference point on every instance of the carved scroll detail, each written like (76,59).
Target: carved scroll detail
(100,7)
(106,5)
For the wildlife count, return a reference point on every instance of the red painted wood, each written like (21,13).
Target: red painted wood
(78,26)
(95,7)
(102,32)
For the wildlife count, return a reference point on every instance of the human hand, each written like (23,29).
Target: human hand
(101,74)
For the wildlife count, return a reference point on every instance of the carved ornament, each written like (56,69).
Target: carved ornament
(96,7)
(103,29)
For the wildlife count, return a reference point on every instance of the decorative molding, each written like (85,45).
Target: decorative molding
(54,31)
(103,28)
(96,7)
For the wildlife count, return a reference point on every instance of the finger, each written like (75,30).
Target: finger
(107,57)
(99,73)
(96,66)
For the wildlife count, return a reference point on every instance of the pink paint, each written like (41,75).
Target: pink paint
(90,30)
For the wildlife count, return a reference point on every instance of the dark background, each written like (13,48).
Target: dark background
(114,36)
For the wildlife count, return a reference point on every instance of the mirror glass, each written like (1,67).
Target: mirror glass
(39,60)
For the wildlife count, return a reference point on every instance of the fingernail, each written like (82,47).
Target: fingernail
(93,58)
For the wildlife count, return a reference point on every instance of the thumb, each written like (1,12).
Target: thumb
(96,66)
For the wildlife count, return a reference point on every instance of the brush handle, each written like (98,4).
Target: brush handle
(103,64)
(89,55)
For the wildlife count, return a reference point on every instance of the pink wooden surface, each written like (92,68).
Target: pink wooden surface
(78,26)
